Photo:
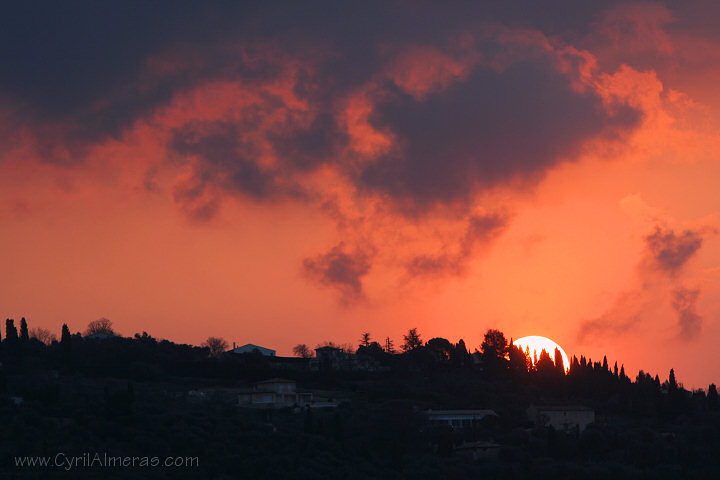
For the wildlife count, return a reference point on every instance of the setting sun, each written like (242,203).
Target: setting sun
(536,344)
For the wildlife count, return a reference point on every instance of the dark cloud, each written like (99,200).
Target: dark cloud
(480,230)
(341,269)
(226,156)
(684,302)
(83,73)
(83,63)
(491,128)
(670,251)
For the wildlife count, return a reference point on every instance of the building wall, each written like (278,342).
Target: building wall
(567,420)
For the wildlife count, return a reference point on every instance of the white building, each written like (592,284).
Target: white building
(566,418)
(250,348)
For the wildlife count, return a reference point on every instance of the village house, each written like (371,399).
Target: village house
(457,419)
(250,348)
(275,393)
(566,418)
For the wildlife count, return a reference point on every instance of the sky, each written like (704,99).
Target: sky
(282,173)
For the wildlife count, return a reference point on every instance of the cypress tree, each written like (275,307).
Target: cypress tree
(712,398)
(65,336)
(559,363)
(11,335)
(672,383)
(24,334)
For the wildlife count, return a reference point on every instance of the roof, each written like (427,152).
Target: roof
(249,347)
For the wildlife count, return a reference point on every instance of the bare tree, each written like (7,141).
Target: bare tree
(101,326)
(216,345)
(43,334)
(303,351)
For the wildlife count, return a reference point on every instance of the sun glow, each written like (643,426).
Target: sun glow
(536,344)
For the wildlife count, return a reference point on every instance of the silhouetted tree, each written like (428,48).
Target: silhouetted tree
(615,370)
(712,398)
(412,340)
(545,367)
(99,326)
(24,335)
(494,349)
(216,345)
(440,348)
(65,337)
(365,339)
(11,335)
(389,346)
(43,335)
(559,363)
(672,383)
(303,351)
(519,362)
(459,354)
(374,350)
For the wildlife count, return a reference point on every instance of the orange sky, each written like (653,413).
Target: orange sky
(496,173)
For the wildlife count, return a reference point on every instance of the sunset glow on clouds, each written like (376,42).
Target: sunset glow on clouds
(298,174)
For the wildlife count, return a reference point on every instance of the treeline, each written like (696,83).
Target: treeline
(99,351)
(610,388)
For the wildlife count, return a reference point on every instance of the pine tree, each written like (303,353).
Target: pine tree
(605,364)
(365,339)
(672,383)
(24,334)
(615,370)
(389,346)
(622,372)
(412,340)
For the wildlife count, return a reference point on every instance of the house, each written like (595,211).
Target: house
(274,393)
(457,419)
(479,450)
(330,358)
(566,418)
(250,348)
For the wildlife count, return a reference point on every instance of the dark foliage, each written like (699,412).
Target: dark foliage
(130,396)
